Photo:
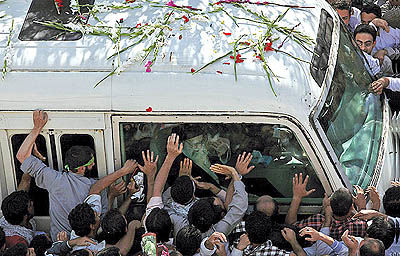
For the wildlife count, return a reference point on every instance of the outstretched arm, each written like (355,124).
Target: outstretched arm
(299,191)
(39,121)
(173,150)
(149,168)
(129,167)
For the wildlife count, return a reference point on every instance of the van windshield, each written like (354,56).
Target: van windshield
(351,117)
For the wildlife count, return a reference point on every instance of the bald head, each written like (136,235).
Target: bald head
(372,247)
(267,205)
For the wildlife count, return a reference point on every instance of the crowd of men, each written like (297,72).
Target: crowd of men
(176,222)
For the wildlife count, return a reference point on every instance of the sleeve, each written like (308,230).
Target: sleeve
(236,209)
(58,248)
(44,176)
(340,248)
(236,252)
(394,84)
(203,249)
(221,195)
(166,196)
(154,202)
(94,201)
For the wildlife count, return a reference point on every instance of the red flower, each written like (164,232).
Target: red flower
(130,1)
(186,19)
(245,43)
(226,63)
(121,20)
(258,57)
(268,47)
(219,72)
(218,3)
(227,33)
(138,25)
(149,109)
(238,59)
(192,70)
(180,37)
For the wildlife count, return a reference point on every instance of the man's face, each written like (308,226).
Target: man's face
(366,18)
(365,42)
(31,210)
(345,15)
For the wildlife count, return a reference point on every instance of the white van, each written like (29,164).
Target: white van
(322,120)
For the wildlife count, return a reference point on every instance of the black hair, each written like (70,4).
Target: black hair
(182,190)
(203,214)
(391,201)
(159,222)
(372,247)
(80,218)
(275,235)
(114,226)
(77,156)
(81,252)
(17,250)
(258,225)
(188,240)
(40,243)
(383,230)
(109,251)
(341,202)
(2,238)
(15,207)
(372,8)
(341,5)
(367,29)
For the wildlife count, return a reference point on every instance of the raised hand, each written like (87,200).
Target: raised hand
(374,196)
(226,170)
(299,186)
(359,198)
(186,167)
(242,163)
(174,149)
(150,165)
(116,189)
(367,214)
(350,241)
(289,235)
(39,119)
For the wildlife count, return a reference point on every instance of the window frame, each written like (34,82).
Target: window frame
(289,122)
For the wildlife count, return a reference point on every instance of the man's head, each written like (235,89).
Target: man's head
(159,222)
(84,220)
(114,226)
(188,240)
(372,247)
(40,244)
(267,205)
(382,229)
(81,252)
(391,201)
(79,159)
(17,208)
(19,250)
(109,251)
(182,191)
(258,225)
(205,212)
(365,36)
(341,202)
(343,8)
(370,12)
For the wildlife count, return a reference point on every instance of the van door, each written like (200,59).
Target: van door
(278,146)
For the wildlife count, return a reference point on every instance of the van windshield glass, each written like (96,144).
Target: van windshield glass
(351,116)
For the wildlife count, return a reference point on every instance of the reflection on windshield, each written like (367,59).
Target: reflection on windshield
(351,116)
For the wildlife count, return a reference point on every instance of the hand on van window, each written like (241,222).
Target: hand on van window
(375,198)
(130,166)
(186,167)
(150,164)
(378,85)
(36,153)
(242,163)
(174,149)
(299,186)
(359,198)
(39,119)
(228,171)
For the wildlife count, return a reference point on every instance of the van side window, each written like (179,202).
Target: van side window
(276,152)
(39,196)
(69,140)
(46,11)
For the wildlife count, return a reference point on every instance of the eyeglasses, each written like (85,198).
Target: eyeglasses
(366,43)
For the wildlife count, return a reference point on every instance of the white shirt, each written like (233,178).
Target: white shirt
(394,84)
(385,40)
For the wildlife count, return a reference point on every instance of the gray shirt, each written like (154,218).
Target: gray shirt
(66,190)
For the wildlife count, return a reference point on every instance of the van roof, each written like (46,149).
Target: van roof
(60,75)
